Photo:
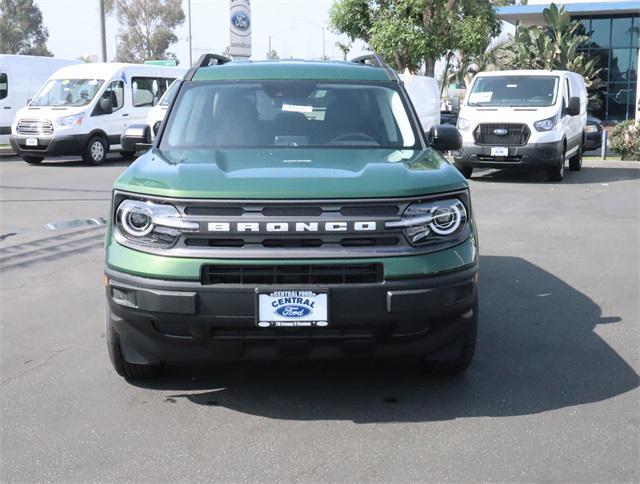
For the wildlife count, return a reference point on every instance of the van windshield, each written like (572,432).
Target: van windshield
(514,91)
(288,113)
(67,92)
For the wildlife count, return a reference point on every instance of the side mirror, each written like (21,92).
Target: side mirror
(105,105)
(573,109)
(444,138)
(136,137)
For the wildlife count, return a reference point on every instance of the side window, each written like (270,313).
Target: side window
(113,92)
(147,91)
(4,85)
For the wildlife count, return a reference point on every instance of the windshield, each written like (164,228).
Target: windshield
(288,114)
(67,92)
(514,91)
(168,96)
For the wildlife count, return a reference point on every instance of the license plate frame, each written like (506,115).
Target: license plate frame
(31,141)
(499,151)
(312,311)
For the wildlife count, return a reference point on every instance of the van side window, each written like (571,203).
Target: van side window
(114,92)
(147,91)
(4,85)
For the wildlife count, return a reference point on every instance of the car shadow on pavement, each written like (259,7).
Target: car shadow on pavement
(588,175)
(537,352)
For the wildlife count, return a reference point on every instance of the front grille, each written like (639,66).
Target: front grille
(34,127)
(324,274)
(516,135)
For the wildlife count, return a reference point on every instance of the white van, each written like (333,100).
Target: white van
(20,78)
(82,110)
(425,96)
(157,112)
(523,118)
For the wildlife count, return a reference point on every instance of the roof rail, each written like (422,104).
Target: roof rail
(376,60)
(205,61)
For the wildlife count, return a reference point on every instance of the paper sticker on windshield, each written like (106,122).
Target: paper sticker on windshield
(480,97)
(296,108)
(65,82)
(512,85)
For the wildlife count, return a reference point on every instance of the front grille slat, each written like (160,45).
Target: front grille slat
(334,274)
(517,134)
(34,127)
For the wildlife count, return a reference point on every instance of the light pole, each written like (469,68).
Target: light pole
(190,48)
(103,33)
(277,33)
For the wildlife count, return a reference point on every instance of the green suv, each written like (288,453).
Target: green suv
(290,209)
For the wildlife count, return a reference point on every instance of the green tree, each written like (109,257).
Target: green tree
(345,48)
(147,28)
(21,28)
(495,57)
(273,54)
(412,33)
(555,46)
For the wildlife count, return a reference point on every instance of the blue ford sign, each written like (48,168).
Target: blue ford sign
(241,21)
(294,311)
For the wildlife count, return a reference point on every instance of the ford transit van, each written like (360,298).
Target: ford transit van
(83,110)
(526,118)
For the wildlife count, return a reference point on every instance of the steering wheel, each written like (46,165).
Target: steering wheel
(354,136)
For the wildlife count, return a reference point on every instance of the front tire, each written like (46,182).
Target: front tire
(127,370)
(466,171)
(556,173)
(575,162)
(33,160)
(95,153)
(467,348)
(128,155)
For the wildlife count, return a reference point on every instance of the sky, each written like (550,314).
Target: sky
(294,25)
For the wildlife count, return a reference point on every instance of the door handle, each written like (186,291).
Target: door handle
(125,115)
(7,107)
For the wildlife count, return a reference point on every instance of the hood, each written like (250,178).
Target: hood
(48,112)
(291,173)
(489,114)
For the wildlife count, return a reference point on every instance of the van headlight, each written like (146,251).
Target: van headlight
(151,224)
(73,120)
(433,222)
(546,124)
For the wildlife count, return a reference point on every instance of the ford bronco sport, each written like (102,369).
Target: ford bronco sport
(290,209)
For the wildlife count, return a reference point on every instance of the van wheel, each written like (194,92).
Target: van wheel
(467,347)
(96,151)
(556,173)
(575,162)
(130,371)
(466,171)
(33,160)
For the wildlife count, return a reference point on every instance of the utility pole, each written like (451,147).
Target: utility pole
(324,50)
(103,32)
(190,48)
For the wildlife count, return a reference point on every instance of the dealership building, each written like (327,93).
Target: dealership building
(614,27)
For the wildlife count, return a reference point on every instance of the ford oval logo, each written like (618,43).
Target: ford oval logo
(294,311)
(500,131)
(241,21)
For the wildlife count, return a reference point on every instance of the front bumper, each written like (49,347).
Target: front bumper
(185,321)
(533,155)
(71,145)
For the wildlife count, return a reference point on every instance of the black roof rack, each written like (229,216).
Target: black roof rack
(205,60)
(376,60)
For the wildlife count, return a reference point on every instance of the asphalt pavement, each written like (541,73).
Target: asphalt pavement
(552,394)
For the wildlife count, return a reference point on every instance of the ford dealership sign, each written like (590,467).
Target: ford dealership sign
(240,28)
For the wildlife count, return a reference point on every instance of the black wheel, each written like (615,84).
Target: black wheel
(466,171)
(128,155)
(556,173)
(33,160)
(96,151)
(466,349)
(130,371)
(575,162)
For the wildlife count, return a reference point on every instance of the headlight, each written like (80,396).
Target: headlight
(151,224)
(591,128)
(73,120)
(546,124)
(433,222)
(463,124)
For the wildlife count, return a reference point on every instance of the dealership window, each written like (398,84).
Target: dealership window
(614,45)
(4,85)
(147,91)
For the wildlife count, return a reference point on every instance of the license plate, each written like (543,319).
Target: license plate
(32,141)
(499,151)
(292,309)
